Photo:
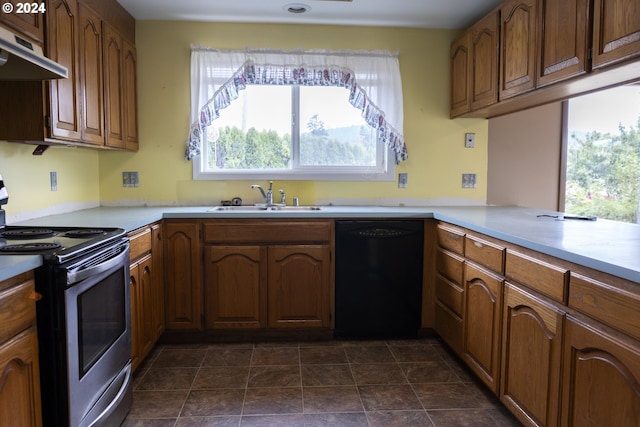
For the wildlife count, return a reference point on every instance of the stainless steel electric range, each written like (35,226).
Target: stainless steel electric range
(83,318)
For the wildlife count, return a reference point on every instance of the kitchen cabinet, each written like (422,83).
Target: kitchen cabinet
(97,105)
(449,291)
(29,24)
(564,40)
(63,24)
(616,31)
(601,376)
(235,286)
(147,292)
(518,32)
(482,323)
(474,66)
(266,274)
(19,369)
(183,275)
(531,356)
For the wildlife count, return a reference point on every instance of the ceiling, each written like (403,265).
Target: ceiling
(392,13)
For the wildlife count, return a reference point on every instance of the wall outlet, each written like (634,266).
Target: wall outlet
(403,180)
(469,140)
(130,179)
(53,180)
(469,180)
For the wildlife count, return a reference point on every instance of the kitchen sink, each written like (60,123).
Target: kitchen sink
(241,209)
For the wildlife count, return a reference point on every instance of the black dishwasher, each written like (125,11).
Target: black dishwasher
(378,282)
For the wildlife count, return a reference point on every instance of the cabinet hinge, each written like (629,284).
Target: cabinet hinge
(590,53)
(47,121)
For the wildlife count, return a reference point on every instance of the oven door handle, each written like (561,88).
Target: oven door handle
(113,257)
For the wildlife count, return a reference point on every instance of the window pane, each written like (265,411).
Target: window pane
(332,131)
(254,132)
(603,154)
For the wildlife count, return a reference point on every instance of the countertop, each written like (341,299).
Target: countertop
(609,246)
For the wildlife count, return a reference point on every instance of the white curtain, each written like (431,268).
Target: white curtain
(373,79)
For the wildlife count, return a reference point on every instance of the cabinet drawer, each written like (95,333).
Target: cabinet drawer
(613,306)
(486,253)
(451,238)
(17,308)
(449,294)
(265,231)
(139,243)
(450,266)
(449,327)
(538,275)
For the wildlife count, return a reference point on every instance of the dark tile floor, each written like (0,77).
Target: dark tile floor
(336,383)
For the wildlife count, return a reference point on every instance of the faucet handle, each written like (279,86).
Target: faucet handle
(270,185)
(282,197)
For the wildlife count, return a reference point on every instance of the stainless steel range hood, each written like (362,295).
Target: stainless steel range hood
(22,60)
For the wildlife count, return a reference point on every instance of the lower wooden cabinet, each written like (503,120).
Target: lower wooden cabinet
(298,286)
(235,286)
(183,275)
(19,369)
(482,323)
(531,357)
(601,380)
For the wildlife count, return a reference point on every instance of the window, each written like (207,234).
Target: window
(603,154)
(310,116)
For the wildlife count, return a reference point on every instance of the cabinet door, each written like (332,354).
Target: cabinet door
(147,327)
(481,326)
(298,286)
(62,47)
(564,40)
(601,377)
(129,96)
(136,334)
(518,47)
(531,352)
(484,65)
(158,280)
(91,77)
(113,54)
(235,287)
(616,31)
(183,273)
(460,63)
(20,381)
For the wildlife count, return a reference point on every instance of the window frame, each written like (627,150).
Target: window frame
(383,171)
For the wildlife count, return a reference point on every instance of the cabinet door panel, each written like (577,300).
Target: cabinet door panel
(460,62)
(298,286)
(158,280)
(484,65)
(182,275)
(91,77)
(531,346)
(518,52)
(481,326)
(130,97)
(136,333)
(563,44)
(616,31)
(235,286)
(62,47)
(601,378)
(113,54)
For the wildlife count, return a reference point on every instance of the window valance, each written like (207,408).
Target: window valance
(372,79)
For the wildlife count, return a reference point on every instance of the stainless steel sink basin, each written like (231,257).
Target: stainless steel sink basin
(241,209)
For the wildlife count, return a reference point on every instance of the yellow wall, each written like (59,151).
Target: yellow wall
(27,180)
(437,156)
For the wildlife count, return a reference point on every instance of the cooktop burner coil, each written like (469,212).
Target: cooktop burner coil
(88,232)
(30,247)
(28,233)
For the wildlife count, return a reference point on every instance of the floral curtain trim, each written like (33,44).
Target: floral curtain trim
(251,73)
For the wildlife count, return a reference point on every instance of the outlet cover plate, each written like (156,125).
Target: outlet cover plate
(469,140)
(469,180)
(403,180)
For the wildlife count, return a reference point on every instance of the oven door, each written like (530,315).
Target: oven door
(98,327)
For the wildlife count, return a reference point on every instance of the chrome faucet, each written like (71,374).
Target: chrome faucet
(268,196)
(283,197)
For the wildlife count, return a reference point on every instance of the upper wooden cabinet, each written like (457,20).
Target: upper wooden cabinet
(29,24)
(547,50)
(474,66)
(563,45)
(616,31)
(96,106)
(518,31)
